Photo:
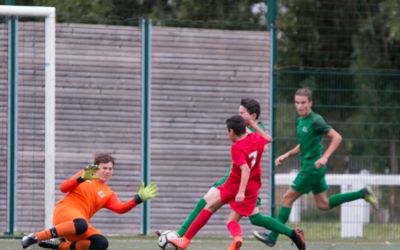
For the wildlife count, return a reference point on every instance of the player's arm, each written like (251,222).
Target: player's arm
(114,204)
(144,194)
(261,132)
(336,139)
(281,158)
(244,179)
(82,175)
(254,124)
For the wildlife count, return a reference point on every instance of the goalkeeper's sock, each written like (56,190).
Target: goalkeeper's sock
(338,199)
(198,223)
(234,228)
(61,230)
(283,217)
(270,223)
(47,234)
(192,216)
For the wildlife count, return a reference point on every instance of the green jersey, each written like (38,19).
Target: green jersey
(310,131)
(260,124)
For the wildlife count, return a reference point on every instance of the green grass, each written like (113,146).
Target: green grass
(331,231)
(220,243)
(319,236)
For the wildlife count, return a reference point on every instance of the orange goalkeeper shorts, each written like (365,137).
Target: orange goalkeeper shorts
(66,212)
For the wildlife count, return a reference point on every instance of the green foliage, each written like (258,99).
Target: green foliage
(228,14)
(329,46)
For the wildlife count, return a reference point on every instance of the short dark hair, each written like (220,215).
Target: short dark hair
(237,124)
(304,92)
(103,158)
(252,106)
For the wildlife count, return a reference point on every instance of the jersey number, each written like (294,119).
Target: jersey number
(253,158)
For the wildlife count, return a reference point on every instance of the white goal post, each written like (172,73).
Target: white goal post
(50,22)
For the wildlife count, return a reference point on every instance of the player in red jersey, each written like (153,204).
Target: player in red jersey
(87,192)
(240,190)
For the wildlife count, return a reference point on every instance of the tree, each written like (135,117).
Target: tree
(191,13)
(376,46)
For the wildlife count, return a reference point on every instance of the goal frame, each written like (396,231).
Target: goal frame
(49,14)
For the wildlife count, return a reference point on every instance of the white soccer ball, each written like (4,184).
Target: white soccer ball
(164,240)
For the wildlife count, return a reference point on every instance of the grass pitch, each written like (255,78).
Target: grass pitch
(220,243)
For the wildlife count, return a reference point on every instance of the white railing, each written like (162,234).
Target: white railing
(353,214)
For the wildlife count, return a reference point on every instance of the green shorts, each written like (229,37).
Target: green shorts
(223,179)
(310,179)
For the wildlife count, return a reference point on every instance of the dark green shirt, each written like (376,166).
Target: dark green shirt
(260,125)
(310,131)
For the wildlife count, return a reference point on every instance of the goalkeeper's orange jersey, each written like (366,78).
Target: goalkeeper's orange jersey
(91,195)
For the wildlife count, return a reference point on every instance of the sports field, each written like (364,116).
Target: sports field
(376,237)
(220,243)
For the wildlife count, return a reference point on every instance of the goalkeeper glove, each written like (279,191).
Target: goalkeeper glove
(88,172)
(146,193)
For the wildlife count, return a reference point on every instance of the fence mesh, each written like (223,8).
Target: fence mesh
(337,48)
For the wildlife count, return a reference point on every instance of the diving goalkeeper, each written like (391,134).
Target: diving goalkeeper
(87,192)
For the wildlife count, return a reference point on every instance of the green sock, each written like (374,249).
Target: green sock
(270,223)
(338,199)
(283,217)
(192,216)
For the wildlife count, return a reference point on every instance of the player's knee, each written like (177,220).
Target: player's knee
(81,226)
(98,242)
(253,219)
(287,201)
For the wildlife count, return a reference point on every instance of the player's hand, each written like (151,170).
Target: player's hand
(239,197)
(321,162)
(149,192)
(280,159)
(89,171)
(248,119)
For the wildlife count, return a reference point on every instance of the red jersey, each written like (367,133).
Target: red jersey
(247,151)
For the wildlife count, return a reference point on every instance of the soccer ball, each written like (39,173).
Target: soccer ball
(164,240)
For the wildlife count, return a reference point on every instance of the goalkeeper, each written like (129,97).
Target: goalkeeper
(86,193)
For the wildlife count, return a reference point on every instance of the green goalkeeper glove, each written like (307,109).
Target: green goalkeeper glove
(146,193)
(88,172)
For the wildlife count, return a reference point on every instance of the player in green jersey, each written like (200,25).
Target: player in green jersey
(311,127)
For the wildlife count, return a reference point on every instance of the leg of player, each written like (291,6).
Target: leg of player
(200,205)
(195,212)
(288,199)
(201,220)
(235,230)
(55,243)
(272,224)
(96,241)
(325,203)
(192,216)
(75,227)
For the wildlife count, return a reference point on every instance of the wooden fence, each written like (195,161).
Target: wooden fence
(198,79)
